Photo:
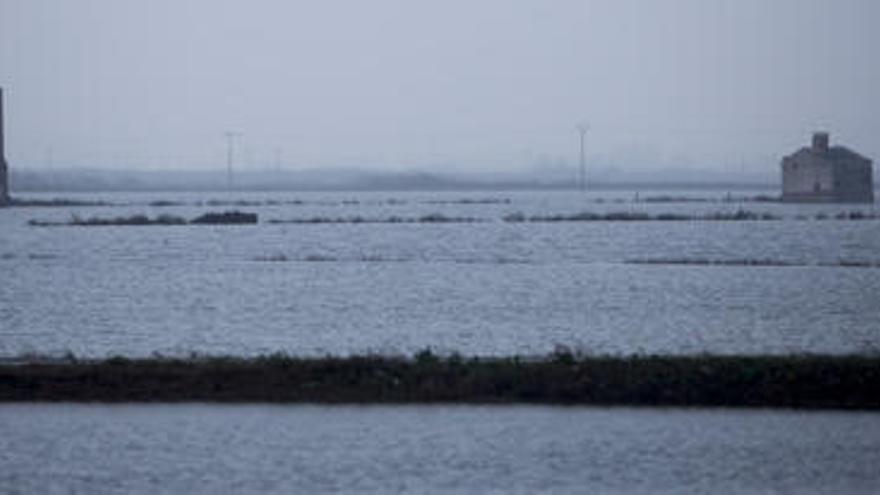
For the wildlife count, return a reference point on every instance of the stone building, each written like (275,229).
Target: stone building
(826,174)
(4,170)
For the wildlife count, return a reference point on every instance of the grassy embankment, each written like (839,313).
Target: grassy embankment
(814,382)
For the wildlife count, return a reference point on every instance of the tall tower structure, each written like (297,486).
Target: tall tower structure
(4,169)
(230,156)
(582,129)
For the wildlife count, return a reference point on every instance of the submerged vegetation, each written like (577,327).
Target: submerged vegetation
(801,381)
(636,216)
(76,220)
(729,198)
(228,217)
(430,218)
(236,217)
(55,202)
(752,262)
(712,262)
(630,216)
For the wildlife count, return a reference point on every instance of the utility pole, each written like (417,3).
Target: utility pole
(230,155)
(582,129)
(277,161)
(4,170)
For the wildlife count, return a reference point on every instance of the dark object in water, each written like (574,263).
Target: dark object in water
(227,217)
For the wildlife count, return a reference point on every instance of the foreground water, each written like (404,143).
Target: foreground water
(431,449)
(490,288)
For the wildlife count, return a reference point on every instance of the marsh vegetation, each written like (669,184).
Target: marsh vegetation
(224,218)
(564,377)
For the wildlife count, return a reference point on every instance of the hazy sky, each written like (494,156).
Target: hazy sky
(455,85)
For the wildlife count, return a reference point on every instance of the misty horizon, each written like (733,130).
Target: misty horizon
(74,179)
(496,87)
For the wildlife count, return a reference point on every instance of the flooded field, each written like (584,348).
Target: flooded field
(805,281)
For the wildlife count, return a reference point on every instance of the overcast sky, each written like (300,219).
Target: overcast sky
(449,85)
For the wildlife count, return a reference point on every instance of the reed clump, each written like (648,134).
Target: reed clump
(629,216)
(224,218)
(394,219)
(137,220)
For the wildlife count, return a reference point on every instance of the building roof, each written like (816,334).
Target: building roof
(843,153)
(834,154)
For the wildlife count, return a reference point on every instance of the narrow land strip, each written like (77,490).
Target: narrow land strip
(810,381)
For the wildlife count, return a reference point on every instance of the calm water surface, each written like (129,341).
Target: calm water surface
(485,288)
(432,449)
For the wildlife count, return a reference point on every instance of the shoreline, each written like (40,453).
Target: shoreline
(793,382)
